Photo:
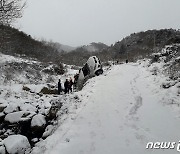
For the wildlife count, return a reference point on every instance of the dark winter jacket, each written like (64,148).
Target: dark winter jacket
(59,87)
(66,84)
(70,83)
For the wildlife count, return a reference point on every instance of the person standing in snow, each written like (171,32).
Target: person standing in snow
(66,86)
(59,87)
(70,84)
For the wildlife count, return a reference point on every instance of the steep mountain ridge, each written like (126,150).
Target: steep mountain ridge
(135,46)
(15,42)
(144,43)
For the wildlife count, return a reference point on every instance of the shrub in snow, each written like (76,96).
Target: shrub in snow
(52,114)
(154,71)
(168,84)
(169,64)
(17,144)
(155,58)
(26,88)
(55,106)
(54,69)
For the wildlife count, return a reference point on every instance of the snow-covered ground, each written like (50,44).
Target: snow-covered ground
(129,107)
(24,106)
(119,112)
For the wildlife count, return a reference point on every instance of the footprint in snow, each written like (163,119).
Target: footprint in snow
(137,105)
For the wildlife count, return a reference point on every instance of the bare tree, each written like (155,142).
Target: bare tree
(10,10)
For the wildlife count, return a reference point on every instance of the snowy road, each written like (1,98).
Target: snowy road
(124,112)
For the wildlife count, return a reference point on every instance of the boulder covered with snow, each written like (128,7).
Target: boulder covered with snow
(27,106)
(17,144)
(11,108)
(2,107)
(38,124)
(48,90)
(38,121)
(2,149)
(16,117)
(48,131)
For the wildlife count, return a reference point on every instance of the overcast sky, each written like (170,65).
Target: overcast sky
(80,22)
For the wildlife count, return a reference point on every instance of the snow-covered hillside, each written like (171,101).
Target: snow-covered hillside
(28,99)
(120,112)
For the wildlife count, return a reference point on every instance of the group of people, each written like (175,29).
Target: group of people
(68,86)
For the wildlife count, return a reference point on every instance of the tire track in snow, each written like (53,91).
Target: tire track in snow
(132,117)
(136,106)
(137,96)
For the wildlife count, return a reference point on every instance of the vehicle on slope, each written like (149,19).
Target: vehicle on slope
(92,67)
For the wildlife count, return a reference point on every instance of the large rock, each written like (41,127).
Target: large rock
(27,106)
(48,131)
(11,108)
(2,107)
(2,115)
(16,117)
(38,124)
(49,91)
(38,121)
(17,144)
(2,149)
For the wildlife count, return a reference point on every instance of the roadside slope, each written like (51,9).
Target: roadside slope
(124,112)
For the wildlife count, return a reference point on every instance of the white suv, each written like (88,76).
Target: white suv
(91,68)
